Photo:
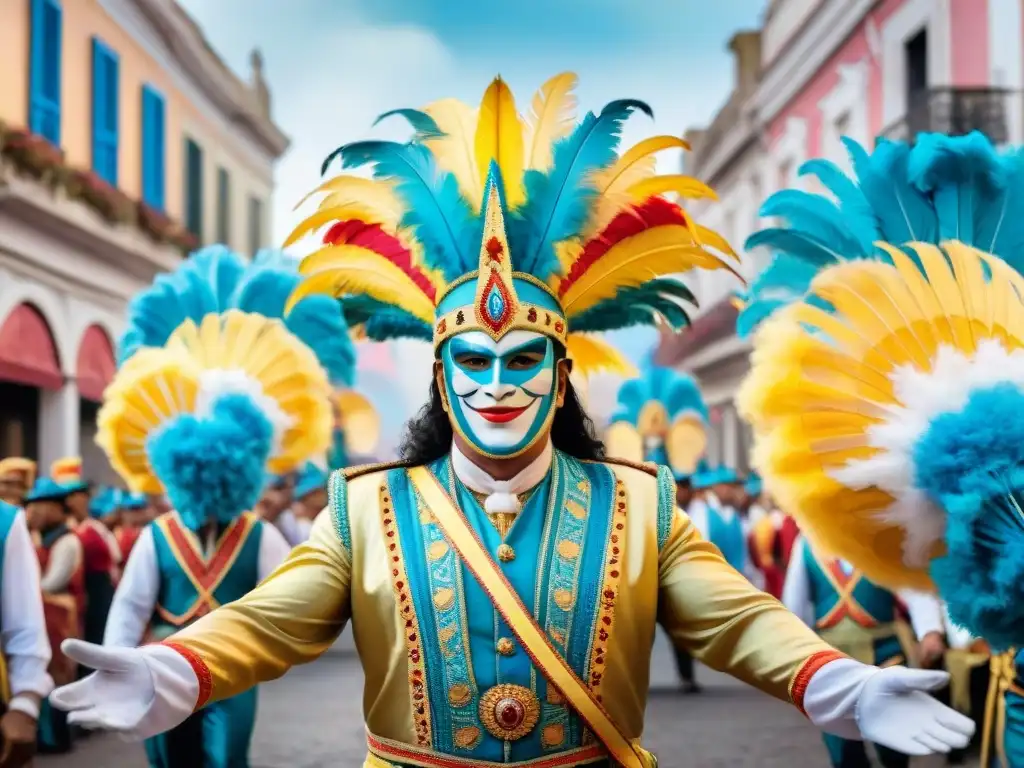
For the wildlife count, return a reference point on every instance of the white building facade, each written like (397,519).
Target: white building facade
(832,68)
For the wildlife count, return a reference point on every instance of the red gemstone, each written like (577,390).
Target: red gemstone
(559,327)
(509,713)
(495,248)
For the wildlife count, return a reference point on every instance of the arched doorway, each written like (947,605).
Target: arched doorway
(94,369)
(29,363)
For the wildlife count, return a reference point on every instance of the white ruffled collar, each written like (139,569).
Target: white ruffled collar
(501,495)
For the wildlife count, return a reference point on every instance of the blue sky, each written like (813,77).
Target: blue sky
(334,65)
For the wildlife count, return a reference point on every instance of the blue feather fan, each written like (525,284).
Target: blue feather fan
(214,280)
(677,392)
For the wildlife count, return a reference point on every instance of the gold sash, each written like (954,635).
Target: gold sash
(626,752)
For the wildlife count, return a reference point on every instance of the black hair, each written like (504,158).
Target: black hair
(428,435)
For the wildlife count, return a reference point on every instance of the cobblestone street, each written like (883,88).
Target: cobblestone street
(312,719)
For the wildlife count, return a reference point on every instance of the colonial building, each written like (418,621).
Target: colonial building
(832,68)
(124,141)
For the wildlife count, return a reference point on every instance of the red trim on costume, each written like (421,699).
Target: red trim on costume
(798,688)
(403,753)
(209,574)
(203,674)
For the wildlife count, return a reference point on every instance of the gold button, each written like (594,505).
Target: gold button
(506,647)
(506,554)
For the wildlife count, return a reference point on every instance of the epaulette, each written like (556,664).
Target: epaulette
(650,467)
(352,473)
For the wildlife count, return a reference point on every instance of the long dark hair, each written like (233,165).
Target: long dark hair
(428,435)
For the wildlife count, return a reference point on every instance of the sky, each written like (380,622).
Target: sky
(333,66)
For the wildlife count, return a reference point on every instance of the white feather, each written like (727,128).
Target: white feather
(922,396)
(216,383)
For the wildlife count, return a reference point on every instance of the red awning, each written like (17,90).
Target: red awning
(718,323)
(28,354)
(95,367)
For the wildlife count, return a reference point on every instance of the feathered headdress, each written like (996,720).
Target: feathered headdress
(490,221)
(661,417)
(886,402)
(209,397)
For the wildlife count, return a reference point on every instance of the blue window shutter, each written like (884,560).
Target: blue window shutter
(104,111)
(153,148)
(44,70)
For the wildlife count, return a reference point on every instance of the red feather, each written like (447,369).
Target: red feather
(374,238)
(653,212)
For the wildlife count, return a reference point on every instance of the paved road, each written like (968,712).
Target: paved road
(312,719)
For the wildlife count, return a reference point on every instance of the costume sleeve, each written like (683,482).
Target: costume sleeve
(65,556)
(796,594)
(926,613)
(23,633)
(291,618)
(274,549)
(136,595)
(713,611)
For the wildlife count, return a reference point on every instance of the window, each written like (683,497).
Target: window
(255,225)
(916,51)
(223,206)
(104,111)
(44,70)
(153,148)
(194,189)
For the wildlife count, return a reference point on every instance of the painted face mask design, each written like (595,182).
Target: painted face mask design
(501,394)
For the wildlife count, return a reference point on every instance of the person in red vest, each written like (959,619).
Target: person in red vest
(101,552)
(61,558)
(134,516)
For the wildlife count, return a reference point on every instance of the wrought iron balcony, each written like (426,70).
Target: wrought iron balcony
(955,112)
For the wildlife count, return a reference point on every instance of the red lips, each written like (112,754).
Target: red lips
(500,415)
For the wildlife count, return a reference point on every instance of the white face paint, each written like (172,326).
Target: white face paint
(501,392)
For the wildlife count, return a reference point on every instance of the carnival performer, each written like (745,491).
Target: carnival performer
(99,546)
(26,646)
(17,476)
(105,507)
(216,399)
(535,235)
(61,560)
(661,418)
(886,383)
(132,518)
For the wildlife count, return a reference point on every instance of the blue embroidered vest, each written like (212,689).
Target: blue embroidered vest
(839,593)
(728,537)
(191,583)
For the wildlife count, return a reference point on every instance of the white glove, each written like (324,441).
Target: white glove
(140,692)
(894,710)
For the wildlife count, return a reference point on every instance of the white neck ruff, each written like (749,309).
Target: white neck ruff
(501,494)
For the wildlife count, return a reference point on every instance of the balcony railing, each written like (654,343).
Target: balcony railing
(955,112)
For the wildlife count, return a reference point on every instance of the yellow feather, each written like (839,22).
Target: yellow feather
(346,188)
(708,237)
(656,252)
(591,354)
(612,184)
(355,209)
(552,117)
(340,270)
(684,186)
(499,137)
(360,421)
(455,152)
(624,441)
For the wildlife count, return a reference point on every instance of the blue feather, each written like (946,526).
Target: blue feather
(640,305)
(972,463)
(905,214)
(815,216)
(424,125)
(855,207)
(798,244)
(558,202)
(212,468)
(443,221)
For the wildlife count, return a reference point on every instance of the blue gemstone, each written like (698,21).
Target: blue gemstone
(495,303)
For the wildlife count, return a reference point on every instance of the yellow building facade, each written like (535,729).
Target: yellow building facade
(124,140)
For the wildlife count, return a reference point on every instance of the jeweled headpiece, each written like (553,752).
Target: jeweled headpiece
(488,221)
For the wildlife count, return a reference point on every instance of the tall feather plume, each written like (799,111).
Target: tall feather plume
(455,150)
(612,184)
(499,137)
(435,210)
(558,202)
(552,118)
(659,301)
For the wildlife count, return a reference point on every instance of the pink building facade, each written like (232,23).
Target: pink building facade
(833,68)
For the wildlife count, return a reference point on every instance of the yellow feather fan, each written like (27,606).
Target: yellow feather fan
(623,441)
(838,400)
(552,118)
(499,136)
(233,352)
(685,443)
(359,420)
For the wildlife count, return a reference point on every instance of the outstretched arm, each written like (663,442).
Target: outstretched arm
(712,610)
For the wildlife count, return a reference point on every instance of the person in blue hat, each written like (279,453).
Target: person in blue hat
(133,515)
(310,498)
(62,584)
(275,505)
(26,647)
(717,520)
